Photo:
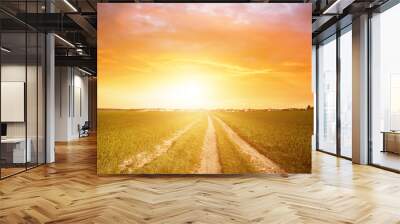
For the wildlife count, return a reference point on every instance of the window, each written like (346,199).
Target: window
(346,92)
(327,95)
(23,89)
(385,89)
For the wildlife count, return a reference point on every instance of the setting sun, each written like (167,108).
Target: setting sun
(186,95)
(204,56)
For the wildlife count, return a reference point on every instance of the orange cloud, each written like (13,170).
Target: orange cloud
(243,55)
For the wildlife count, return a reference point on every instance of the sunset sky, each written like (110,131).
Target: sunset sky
(208,56)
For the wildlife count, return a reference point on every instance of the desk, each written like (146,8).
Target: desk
(391,141)
(13,150)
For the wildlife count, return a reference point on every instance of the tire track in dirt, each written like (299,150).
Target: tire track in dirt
(143,158)
(209,163)
(261,162)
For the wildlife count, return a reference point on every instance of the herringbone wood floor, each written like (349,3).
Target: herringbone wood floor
(69,191)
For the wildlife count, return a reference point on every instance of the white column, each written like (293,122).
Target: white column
(50,92)
(50,99)
(360,90)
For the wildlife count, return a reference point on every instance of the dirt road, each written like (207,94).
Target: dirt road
(209,163)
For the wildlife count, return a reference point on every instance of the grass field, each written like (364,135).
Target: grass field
(123,135)
(232,161)
(184,155)
(282,136)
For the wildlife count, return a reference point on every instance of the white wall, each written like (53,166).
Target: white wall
(62,81)
(71,87)
(10,73)
(15,72)
(83,83)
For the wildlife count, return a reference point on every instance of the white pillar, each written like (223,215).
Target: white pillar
(50,92)
(50,99)
(360,89)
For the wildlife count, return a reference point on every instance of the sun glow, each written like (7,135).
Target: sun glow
(196,57)
(186,95)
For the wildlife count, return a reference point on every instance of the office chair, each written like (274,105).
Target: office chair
(84,130)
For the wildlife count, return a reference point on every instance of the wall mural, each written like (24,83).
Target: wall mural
(204,88)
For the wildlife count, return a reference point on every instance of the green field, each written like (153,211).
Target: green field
(125,137)
(184,155)
(124,133)
(231,159)
(282,136)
